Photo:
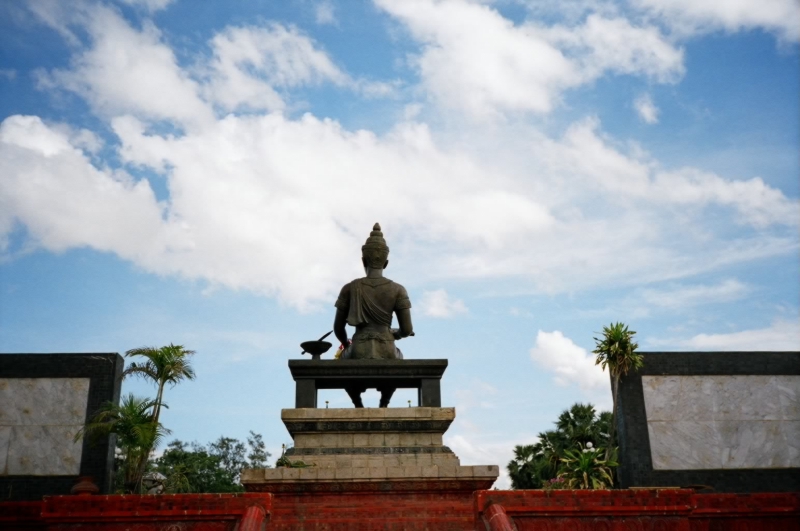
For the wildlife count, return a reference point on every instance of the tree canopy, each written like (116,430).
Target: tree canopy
(578,428)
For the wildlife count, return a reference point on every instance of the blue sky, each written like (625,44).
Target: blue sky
(204,173)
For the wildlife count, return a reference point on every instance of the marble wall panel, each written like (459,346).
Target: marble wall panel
(44,451)
(38,421)
(723,422)
(43,401)
(5,438)
(721,397)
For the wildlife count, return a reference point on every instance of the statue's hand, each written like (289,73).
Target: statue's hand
(396,333)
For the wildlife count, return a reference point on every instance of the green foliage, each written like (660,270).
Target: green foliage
(585,468)
(136,433)
(258,454)
(555,484)
(617,351)
(213,468)
(535,465)
(165,365)
(284,461)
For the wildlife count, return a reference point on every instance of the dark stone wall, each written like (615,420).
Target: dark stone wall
(97,458)
(636,468)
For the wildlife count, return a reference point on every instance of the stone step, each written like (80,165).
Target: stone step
(384,460)
(350,474)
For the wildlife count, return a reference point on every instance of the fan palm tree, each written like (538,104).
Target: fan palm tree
(579,424)
(522,469)
(616,350)
(132,423)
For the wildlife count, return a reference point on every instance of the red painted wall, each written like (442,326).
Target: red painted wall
(442,510)
(169,512)
(635,510)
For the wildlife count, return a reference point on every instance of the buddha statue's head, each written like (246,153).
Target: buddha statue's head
(375,252)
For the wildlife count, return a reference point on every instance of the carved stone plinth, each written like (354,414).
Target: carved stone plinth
(422,375)
(388,449)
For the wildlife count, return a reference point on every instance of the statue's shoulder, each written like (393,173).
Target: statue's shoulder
(397,288)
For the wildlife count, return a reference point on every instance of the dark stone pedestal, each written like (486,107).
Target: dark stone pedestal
(423,375)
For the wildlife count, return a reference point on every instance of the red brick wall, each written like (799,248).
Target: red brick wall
(443,510)
(184,512)
(635,510)
(362,511)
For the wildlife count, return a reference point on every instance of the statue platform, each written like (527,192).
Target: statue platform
(370,449)
(423,375)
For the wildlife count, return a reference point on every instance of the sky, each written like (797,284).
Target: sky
(205,173)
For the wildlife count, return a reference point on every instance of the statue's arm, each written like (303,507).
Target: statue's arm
(404,322)
(339,323)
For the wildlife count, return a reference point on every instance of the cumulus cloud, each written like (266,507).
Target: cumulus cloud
(130,71)
(781,335)
(570,363)
(585,154)
(601,45)
(66,202)
(476,60)
(249,63)
(691,16)
(438,303)
(646,109)
(255,199)
(127,71)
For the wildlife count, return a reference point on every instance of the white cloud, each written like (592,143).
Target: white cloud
(570,363)
(691,16)
(476,60)
(438,303)
(585,154)
(150,5)
(129,71)
(250,62)
(506,202)
(66,202)
(602,45)
(781,335)
(646,108)
(692,295)
(325,13)
(472,451)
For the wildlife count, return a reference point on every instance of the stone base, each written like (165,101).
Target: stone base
(379,450)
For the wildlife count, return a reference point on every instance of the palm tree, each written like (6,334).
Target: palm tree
(583,468)
(616,350)
(579,424)
(165,365)
(523,468)
(132,422)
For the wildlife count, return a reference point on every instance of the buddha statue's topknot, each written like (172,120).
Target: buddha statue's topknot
(375,252)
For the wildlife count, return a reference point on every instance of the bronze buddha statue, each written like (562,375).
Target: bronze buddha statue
(368,304)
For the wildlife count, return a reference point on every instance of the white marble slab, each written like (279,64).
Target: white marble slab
(43,401)
(5,438)
(38,419)
(44,451)
(723,422)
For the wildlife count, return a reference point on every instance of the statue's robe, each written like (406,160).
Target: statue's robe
(370,304)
